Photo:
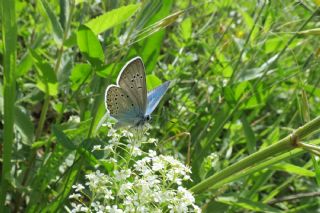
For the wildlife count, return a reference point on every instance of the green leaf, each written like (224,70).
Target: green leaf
(47,79)
(62,138)
(250,22)
(247,204)
(278,43)
(24,125)
(250,137)
(210,163)
(89,45)
(152,82)
(25,65)
(47,173)
(315,31)
(186,28)
(56,27)
(316,164)
(106,71)
(292,169)
(64,12)
(111,18)
(79,75)
(64,192)
(8,74)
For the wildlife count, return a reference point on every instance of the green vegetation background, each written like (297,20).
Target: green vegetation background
(244,75)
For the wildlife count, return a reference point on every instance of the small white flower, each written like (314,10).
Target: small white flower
(84,209)
(101,39)
(122,174)
(96,147)
(152,140)
(112,132)
(108,148)
(76,207)
(78,187)
(125,187)
(157,164)
(108,194)
(114,209)
(75,196)
(126,133)
(152,153)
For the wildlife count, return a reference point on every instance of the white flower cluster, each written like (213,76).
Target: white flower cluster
(153,184)
(132,144)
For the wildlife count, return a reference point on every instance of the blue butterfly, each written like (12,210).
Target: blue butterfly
(128,101)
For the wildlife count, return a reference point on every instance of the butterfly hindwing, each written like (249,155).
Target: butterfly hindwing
(155,95)
(132,80)
(120,105)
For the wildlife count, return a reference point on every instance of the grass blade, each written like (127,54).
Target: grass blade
(9,36)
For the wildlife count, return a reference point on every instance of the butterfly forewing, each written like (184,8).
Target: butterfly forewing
(155,95)
(132,80)
(120,105)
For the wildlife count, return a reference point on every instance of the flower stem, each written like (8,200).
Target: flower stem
(284,145)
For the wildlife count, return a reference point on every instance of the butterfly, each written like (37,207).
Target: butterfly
(128,101)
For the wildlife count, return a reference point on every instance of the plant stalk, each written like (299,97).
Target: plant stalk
(9,37)
(284,145)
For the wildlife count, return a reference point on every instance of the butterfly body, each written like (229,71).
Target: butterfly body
(128,101)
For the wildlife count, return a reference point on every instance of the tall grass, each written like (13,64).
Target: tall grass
(9,36)
(245,77)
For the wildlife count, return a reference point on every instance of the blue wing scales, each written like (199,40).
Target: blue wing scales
(155,95)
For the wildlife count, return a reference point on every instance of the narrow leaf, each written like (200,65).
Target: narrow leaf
(56,27)
(250,137)
(47,79)
(315,31)
(293,169)
(316,165)
(62,138)
(24,125)
(247,204)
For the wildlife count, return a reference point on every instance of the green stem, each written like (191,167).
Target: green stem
(284,145)
(43,115)
(9,37)
(44,110)
(309,147)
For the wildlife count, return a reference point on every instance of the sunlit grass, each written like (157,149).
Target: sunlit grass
(244,77)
